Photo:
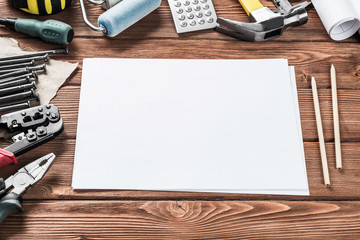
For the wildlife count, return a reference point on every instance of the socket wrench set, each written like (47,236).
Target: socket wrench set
(18,75)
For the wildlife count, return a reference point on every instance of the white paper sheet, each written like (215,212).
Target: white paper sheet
(341,18)
(190,125)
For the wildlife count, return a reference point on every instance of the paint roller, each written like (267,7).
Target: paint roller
(121,15)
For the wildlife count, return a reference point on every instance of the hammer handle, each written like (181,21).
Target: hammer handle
(250,5)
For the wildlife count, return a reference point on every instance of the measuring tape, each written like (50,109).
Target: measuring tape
(41,7)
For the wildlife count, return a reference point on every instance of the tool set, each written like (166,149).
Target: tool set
(20,182)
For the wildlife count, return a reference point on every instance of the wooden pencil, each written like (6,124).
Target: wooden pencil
(324,163)
(336,118)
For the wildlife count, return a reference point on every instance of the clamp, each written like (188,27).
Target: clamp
(20,182)
(265,24)
(36,125)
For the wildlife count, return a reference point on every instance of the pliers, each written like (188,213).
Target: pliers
(20,182)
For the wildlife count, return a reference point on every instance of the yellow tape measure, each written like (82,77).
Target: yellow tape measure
(41,7)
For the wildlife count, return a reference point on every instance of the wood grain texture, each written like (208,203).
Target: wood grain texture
(184,220)
(53,210)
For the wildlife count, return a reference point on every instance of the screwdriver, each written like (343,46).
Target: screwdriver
(51,31)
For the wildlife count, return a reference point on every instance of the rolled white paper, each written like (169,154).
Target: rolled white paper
(341,19)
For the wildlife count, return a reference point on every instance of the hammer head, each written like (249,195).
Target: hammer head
(264,24)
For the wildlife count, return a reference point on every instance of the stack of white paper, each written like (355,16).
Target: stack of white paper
(190,125)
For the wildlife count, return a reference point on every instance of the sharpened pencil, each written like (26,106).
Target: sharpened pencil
(336,118)
(324,163)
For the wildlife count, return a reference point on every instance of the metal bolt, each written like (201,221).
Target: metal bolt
(47,113)
(23,114)
(57,51)
(48,106)
(40,109)
(53,115)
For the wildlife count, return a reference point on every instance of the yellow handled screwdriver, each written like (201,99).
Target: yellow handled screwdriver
(41,7)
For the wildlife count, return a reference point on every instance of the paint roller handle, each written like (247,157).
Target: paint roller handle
(51,31)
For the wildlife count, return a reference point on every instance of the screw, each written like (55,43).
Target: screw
(64,50)
(40,109)
(23,114)
(48,106)
(53,115)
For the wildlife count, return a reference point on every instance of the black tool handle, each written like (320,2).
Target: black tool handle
(8,207)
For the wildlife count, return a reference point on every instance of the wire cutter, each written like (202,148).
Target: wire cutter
(33,127)
(20,182)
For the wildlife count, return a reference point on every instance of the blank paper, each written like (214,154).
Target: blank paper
(189,125)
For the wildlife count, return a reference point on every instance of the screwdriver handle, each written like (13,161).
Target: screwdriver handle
(51,31)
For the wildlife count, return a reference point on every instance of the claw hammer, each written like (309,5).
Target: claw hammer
(265,24)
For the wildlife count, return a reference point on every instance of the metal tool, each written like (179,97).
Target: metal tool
(265,24)
(20,182)
(15,83)
(18,97)
(29,69)
(11,90)
(29,99)
(15,106)
(30,75)
(41,7)
(37,125)
(51,31)
(44,58)
(64,50)
(121,16)
(17,66)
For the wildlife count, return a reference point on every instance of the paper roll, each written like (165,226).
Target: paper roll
(341,19)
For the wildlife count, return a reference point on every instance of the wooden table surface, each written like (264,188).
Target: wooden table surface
(53,210)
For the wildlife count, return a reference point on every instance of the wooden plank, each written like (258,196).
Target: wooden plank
(159,24)
(184,220)
(57,183)
(309,58)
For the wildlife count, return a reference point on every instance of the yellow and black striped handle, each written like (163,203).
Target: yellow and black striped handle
(41,7)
